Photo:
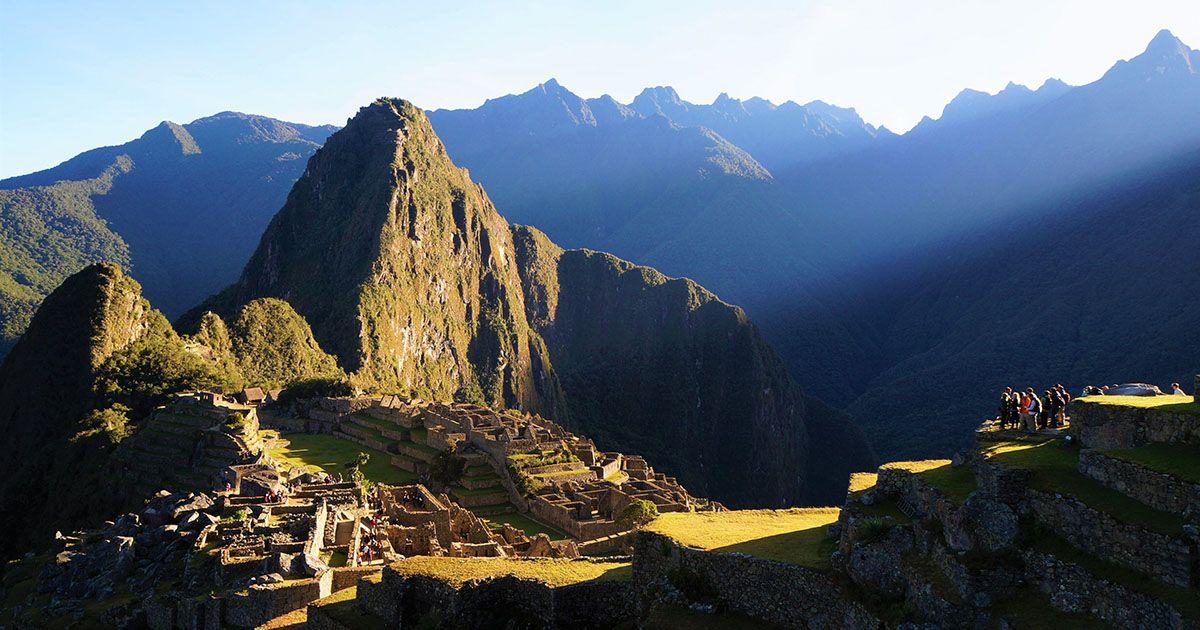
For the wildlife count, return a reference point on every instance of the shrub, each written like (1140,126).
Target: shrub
(447,468)
(639,512)
(315,388)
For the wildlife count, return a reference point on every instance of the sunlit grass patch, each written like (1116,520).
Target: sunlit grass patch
(1178,404)
(797,536)
(1181,461)
(331,454)
(553,571)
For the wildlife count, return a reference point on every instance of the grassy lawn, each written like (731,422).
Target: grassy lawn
(796,536)
(342,607)
(1178,460)
(862,481)
(555,572)
(955,483)
(331,454)
(1055,470)
(1185,601)
(525,524)
(1178,404)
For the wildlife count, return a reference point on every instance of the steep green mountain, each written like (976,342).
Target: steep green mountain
(95,357)
(182,206)
(412,279)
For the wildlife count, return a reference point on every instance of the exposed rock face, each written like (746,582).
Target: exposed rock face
(981,524)
(45,388)
(663,366)
(411,278)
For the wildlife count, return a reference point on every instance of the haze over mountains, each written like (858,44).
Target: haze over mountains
(882,267)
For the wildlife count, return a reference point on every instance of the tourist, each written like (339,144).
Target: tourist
(1005,415)
(1177,390)
(1031,407)
(1051,409)
(1065,397)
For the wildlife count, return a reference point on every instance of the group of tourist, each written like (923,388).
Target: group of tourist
(369,544)
(1030,412)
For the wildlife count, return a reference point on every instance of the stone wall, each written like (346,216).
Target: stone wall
(1074,590)
(1163,557)
(775,592)
(263,602)
(1157,490)
(1103,426)
(506,601)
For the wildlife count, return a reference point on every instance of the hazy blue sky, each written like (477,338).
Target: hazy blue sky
(77,75)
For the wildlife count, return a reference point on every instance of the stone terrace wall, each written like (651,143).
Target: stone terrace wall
(410,601)
(766,590)
(1103,426)
(1168,559)
(1158,490)
(260,604)
(1074,590)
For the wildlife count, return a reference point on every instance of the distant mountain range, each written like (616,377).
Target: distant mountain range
(183,206)
(826,228)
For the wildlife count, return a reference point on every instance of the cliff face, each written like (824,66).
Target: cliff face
(412,279)
(46,387)
(662,365)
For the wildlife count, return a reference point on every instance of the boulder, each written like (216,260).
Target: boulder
(309,566)
(192,503)
(981,524)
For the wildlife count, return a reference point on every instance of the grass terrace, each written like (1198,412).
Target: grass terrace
(1054,468)
(555,572)
(331,454)
(342,607)
(954,482)
(1181,461)
(1183,600)
(1177,404)
(797,536)
(525,524)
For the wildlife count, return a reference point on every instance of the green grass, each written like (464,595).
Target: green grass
(343,608)
(1054,469)
(1181,461)
(886,508)
(329,453)
(1177,404)
(797,536)
(1030,608)
(555,572)
(1183,600)
(954,482)
(525,524)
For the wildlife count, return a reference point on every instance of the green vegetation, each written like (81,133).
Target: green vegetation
(148,371)
(955,482)
(797,536)
(313,388)
(1054,467)
(524,523)
(1030,608)
(1182,599)
(638,512)
(331,454)
(46,234)
(680,618)
(342,607)
(1181,461)
(1176,404)
(275,346)
(554,572)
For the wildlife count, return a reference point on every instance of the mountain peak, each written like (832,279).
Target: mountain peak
(1165,42)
